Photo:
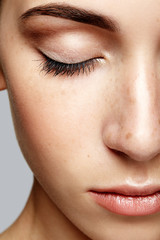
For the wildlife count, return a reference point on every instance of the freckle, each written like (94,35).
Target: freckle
(159,121)
(88,156)
(128,135)
(157,19)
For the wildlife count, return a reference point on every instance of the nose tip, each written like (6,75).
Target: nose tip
(133,145)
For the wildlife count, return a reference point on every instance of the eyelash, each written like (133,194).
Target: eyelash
(67,69)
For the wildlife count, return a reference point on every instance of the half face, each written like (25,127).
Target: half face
(85,98)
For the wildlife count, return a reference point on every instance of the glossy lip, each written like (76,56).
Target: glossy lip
(129,200)
(130,190)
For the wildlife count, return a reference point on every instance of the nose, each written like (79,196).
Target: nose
(133,128)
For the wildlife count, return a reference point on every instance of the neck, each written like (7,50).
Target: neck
(41,220)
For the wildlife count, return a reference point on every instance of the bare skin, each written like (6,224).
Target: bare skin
(98,129)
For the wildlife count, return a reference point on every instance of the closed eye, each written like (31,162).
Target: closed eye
(51,66)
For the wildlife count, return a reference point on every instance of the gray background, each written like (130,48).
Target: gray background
(15,176)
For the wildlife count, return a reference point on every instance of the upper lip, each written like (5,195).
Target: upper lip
(130,190)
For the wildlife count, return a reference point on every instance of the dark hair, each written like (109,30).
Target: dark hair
(0,5)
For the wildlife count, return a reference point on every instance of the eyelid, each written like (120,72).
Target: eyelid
(71,57)
(69,63)
(63,68)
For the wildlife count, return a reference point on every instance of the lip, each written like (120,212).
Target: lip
(131,190)
(129,200)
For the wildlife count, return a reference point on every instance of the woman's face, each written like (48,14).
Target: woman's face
(87,126)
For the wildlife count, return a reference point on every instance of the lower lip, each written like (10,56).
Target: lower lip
(128,205)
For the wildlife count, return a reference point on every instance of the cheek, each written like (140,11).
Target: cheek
(57,131)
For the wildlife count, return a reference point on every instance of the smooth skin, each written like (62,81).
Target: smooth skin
(94,130)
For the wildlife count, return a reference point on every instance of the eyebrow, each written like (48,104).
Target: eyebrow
(72,13)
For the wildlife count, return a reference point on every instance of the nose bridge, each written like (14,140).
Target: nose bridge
(144,126)
(137,134)
(143,90)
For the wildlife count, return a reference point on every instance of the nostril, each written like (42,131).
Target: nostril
(135,156)
(119,153)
